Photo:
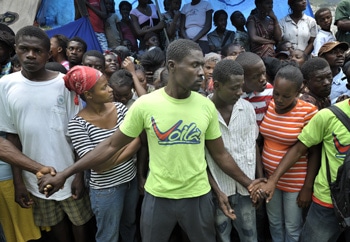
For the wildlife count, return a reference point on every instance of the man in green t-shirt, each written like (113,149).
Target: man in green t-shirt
(179,123)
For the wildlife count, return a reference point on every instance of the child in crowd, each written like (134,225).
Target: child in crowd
(323,18)
(241,37)
(15,64)
(298,56)
(232,50)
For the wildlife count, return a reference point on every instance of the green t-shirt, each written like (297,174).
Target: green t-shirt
(342,12)
(176,133)
(325,127)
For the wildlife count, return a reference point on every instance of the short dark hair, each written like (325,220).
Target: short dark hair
(217,15)
(179,49)
(80,40)
(232,17)
(346,66)
(312,65)
(62,42)
(125,3)
(55,66)
(319,11)
(34,32)
(247,59)
(225,49)
(292,74)
(96,54)
(121,78)
(224,69)
(153,59)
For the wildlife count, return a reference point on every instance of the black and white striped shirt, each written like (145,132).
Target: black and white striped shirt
(85,136)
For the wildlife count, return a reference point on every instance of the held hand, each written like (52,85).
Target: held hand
(304,197)
(22,196)
(225,205)
(78,186)
(48,184)
(45,170)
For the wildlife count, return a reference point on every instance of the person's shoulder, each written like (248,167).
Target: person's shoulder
(11,79)
(307,106)
(245,104)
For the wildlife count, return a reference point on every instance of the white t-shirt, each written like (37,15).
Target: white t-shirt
(39,113)
(195,18)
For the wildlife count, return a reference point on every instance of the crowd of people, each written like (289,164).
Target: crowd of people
(173,132)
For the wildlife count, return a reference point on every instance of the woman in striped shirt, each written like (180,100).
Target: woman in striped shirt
(285,118)
(113,191)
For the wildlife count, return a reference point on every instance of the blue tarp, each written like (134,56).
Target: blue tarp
(81,28)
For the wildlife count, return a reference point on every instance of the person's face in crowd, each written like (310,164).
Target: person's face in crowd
(31,54)
(255,78)
(54,47)
(335,57)
(141,76)
(230,91)
(320,82)
(75,52)
(127,43)
(325,20)
(94,62)
(110,6)
(298,5)
(235,50)
(125,12)
(266,6)
(153,41)
(298,57)
(287,47)
(111,64)
(208,69)
(188,73)
(121,93)
(175,5)
(101,92)
(285,95)
(221,22)
(239,19)
(5,53)
(16,66)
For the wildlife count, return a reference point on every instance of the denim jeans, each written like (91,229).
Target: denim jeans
(321,225)
(115,212)
(245,223)
(285,217)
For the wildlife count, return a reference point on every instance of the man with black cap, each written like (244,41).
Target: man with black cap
(333,53)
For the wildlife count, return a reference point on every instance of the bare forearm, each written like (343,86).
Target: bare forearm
(230,167)
(289,159)
(313,165)
(343,24)
(101,153)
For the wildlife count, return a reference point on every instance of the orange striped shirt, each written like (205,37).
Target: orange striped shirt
(280,132)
